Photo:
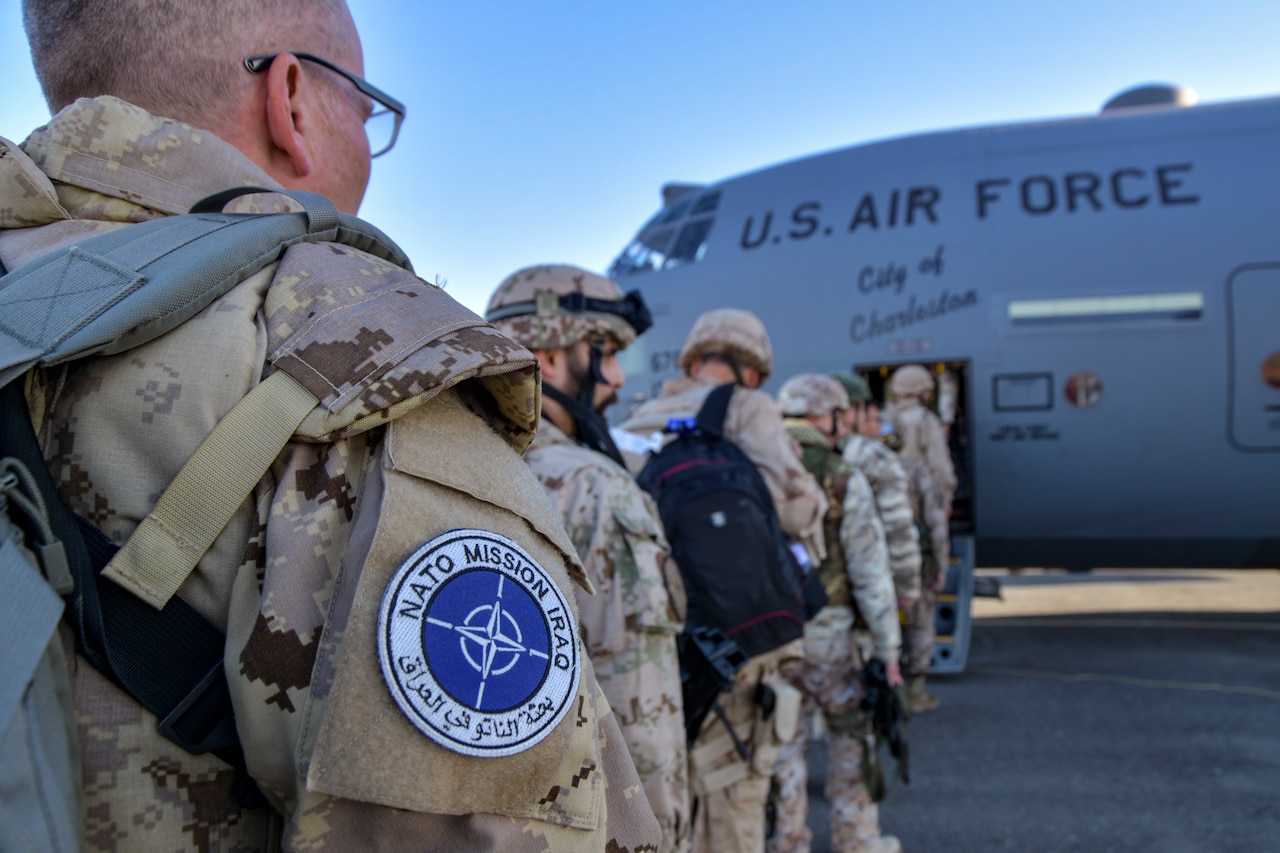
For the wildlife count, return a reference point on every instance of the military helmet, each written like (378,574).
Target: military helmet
(812,394)
(553,306)
(733,332)
(855,386)
(911,379)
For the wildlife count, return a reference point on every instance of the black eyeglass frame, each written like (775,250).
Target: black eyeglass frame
(258,64)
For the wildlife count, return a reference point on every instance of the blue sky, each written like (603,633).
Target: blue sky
(543,132)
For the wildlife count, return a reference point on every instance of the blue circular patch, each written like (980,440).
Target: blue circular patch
(477,644)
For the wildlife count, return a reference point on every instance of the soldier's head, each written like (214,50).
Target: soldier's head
(728,345)
(576,322)
(232,67)
(817,398)
(870,422)
(911,380)
(859,393)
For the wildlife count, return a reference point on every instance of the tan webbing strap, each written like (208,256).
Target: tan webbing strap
(197,505)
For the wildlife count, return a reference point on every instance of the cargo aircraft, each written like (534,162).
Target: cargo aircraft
(1103,293)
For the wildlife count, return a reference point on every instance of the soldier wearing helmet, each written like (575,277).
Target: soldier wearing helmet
(913,510)
(730,346)
(858,582)
(888,482)
(922,433)
(576,322)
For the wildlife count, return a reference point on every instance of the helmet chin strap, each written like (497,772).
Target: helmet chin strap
(593,432)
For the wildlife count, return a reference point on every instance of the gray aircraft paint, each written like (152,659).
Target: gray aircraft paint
(913,249)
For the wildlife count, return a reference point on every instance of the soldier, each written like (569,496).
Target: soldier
(409,467)
(889,485)
(856,569)
(630,624)
(731,346)
(923,436)
(930,509)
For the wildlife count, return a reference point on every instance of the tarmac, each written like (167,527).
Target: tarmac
(1108,711)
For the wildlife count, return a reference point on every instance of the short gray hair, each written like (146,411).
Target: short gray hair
(173,58)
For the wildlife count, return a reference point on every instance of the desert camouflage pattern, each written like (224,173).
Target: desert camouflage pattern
(889,485)
(732,793)
(831,679)
(923,438)
(855,571)
(630,624)
(549,326)
(731,331)
(930,509)
(754,423)
(812,394)
(413,437)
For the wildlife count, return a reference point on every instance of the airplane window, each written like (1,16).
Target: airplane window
(677,210)
(691,244)
(706,204)
(647,252)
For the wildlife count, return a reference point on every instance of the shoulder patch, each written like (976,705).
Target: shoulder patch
(477,644)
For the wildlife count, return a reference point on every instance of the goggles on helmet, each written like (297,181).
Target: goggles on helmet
(631,308)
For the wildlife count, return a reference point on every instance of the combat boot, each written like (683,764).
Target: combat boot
(920,701)
(883,844)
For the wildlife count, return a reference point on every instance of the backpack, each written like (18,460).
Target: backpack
(107,294)
(739,573)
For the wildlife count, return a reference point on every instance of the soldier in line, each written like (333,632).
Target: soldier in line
(930,509)
(731,346)
(857,579)
(889,485)
(630,624)
(416,438)
(922,433)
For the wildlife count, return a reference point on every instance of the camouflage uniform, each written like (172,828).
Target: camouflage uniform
(630,624)
(889,485)
(732,793)
(414,437)
(855,570)
(930,508)
(920,429)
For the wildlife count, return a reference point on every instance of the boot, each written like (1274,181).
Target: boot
(919,701)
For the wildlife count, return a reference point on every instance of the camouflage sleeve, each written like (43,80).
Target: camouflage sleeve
(933,515)
(755,424)
(630,624)
(342,762)
(867,558)
(938,455)
(894,505)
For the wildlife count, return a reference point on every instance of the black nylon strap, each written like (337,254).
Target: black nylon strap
(712,414)
(169,660)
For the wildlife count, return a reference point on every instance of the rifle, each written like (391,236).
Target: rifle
(709,663)
(888,718)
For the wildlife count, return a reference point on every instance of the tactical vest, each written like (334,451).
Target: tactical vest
(825,466)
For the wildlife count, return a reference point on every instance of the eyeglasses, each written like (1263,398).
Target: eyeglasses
(382,126)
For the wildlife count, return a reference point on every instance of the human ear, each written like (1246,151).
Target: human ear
(288,114)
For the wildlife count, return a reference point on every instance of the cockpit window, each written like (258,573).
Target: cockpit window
(688,222)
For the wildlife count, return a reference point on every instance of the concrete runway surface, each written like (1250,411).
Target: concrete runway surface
(1109,711)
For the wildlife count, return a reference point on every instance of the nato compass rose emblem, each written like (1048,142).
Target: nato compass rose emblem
(477,644)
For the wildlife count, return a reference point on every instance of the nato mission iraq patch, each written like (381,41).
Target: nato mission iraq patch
(477,644)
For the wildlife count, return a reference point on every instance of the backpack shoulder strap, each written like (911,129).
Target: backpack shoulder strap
(117,290)
(712,414)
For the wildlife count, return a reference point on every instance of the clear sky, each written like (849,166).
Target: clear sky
(543,132)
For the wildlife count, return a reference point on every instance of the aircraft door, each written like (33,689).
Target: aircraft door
(1253,363)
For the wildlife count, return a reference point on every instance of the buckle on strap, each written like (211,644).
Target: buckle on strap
(204,720)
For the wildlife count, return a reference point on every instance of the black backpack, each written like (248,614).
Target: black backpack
(739,573)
